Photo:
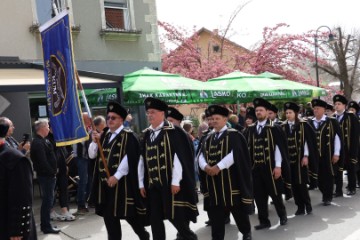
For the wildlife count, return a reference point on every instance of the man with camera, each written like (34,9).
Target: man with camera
(10,141)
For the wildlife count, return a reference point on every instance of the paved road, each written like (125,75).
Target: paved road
(340,221)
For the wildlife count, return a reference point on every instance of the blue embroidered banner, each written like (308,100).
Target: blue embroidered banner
(63,103)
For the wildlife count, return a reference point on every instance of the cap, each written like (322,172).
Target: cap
(217,109)
(155,103)
(260,102)
(174,113)
(318,103)
(114,106)
(340,98)
(292,106)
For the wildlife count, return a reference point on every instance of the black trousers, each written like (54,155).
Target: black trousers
(325,182)
(351,174)
(262,190)
(112,223)
(301,195)
(217,215)
(157,218)
(339,182)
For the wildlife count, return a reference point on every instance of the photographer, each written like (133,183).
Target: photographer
(10,141)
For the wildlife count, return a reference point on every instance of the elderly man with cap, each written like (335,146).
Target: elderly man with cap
(303,156)
(116,197)
(166,173)
(271,173)
(349,126)
(226,175)
(328,141)
(16,192)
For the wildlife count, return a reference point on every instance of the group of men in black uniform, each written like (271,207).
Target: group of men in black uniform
(148,180)
(154,179)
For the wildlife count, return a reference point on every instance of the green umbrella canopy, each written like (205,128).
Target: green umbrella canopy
(172,88)
(299,89)
(250,86)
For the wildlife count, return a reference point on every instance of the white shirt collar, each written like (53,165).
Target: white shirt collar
(322,119)
(117,131)
(158,127)
(291,122)
(262,123)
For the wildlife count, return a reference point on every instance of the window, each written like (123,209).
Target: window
(45,9)
(117,14)
(216,48)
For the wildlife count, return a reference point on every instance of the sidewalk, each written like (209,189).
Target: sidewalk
(339,221)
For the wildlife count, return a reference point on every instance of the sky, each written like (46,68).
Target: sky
(247,28)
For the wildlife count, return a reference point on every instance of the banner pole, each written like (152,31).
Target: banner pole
(80,87)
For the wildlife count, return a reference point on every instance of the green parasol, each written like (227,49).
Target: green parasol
(171,88)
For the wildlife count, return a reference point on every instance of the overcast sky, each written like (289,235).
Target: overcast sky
(301,15)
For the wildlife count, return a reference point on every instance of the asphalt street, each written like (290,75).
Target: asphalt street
(339,221)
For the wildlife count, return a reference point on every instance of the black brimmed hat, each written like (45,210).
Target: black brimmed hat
(260,102)
(115,107)
(353,104)
(318,103)
(329,107)
(155,103)
(273,108)
(174,113)
(250,113)
(217,109)
(309,112)
(292,106)
(340,98)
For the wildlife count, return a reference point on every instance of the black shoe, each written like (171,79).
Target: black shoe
(327,203)
(283,220)
(308,209)
(338,194)
(179,237)
(227,221)
(300,211)
(247,236)
(262,226)
(208,223)
(351,192)
(51,230)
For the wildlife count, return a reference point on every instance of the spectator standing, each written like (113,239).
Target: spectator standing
(82,162)
(43,156)
(61,186)
(24,146)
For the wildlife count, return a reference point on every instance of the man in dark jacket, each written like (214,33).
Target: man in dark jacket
(43,156)
(16,192)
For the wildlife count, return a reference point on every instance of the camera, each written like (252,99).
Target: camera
(25,138)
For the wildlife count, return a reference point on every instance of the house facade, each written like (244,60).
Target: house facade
(113,37)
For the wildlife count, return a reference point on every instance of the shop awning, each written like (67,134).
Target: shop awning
(31,79)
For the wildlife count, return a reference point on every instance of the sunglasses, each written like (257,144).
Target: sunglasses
(111,117)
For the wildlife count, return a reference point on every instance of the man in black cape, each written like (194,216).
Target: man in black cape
(117,197)
(226,176)
(271,172)
(166,173)
(328,140)
(349,126)
(16,192)
(303,156)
